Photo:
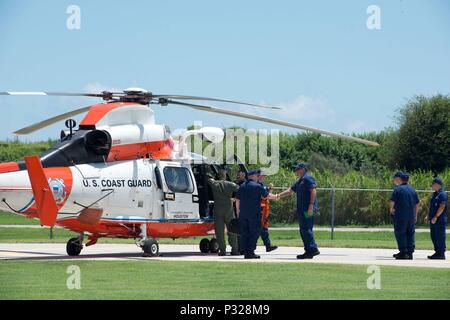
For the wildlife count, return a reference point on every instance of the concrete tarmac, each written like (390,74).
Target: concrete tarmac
(169,252)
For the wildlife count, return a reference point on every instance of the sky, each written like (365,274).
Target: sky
(317,60)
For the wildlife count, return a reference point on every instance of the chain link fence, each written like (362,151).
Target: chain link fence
(346,207)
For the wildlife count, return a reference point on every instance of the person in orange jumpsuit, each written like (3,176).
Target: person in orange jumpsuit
(265,212)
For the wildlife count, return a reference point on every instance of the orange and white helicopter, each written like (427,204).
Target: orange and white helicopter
(120,174)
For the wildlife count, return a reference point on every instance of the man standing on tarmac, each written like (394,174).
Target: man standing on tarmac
(305,189)
(437,218)
(404,206)
(223,211)
(241,177)
(265,212)
(248,209)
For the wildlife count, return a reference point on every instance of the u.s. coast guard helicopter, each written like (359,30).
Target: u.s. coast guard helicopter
(120,174)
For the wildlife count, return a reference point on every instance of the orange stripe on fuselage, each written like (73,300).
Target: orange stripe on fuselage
(9,167)
(98,111)
(154,149)
(124,229)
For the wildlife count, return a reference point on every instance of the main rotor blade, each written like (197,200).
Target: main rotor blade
(50,121)
(180,97)
(273,121)
(40,93)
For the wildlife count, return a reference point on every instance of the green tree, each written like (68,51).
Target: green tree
(422,141)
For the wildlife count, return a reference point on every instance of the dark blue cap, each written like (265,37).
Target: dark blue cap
(398,174)
(300,166)
(401,175)
(253,172)
(438,181)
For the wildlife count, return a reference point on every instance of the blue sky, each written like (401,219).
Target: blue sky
(315,58)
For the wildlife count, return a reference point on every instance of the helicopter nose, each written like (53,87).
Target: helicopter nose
(16,194)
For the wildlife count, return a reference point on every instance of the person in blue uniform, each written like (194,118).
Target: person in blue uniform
(437,218)
(241,177)
(265,213)
(305,190)
(404,205)
(248,209)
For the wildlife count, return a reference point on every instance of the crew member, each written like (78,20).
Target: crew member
(240,177)
(248,208)
(404,206)
(305,189)
(438,219)
(265,212)
(223,211)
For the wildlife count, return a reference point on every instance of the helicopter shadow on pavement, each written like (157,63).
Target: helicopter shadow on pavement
(47,256)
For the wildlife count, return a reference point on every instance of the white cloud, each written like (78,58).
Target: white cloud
(97,87)
(305,108)
(355,126)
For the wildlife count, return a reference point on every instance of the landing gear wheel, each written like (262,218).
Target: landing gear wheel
(150,248)
(74,246)
(213,246)
(204,245)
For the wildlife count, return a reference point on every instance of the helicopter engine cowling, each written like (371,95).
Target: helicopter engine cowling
(133,141)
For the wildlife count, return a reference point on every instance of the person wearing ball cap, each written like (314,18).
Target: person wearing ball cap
(223,211)
(248,210)
(265,212)
(404,205)
(437,218)
(305,189)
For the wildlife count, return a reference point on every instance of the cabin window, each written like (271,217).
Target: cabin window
(178,179)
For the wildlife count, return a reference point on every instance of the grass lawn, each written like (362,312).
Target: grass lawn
(215,280)
(12,218)
(280,238)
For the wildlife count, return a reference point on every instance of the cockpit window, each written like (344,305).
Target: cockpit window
(178,179)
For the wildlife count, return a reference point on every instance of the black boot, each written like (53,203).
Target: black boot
(251,255)
(411,255)
(313,253)
(304,256)
(308,254)
(271,248)
(437,256)
(402,256)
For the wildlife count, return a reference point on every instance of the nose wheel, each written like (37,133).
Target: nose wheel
(74,246)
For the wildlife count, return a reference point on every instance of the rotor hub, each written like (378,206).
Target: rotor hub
(137,95)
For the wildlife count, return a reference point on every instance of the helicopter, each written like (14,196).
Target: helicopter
(122,175)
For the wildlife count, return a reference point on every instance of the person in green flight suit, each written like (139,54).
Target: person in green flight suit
(223,191)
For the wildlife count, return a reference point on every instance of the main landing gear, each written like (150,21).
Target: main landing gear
(74,246)
(149,245)
(209,246)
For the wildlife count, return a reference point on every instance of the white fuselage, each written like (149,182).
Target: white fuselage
(124,190)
